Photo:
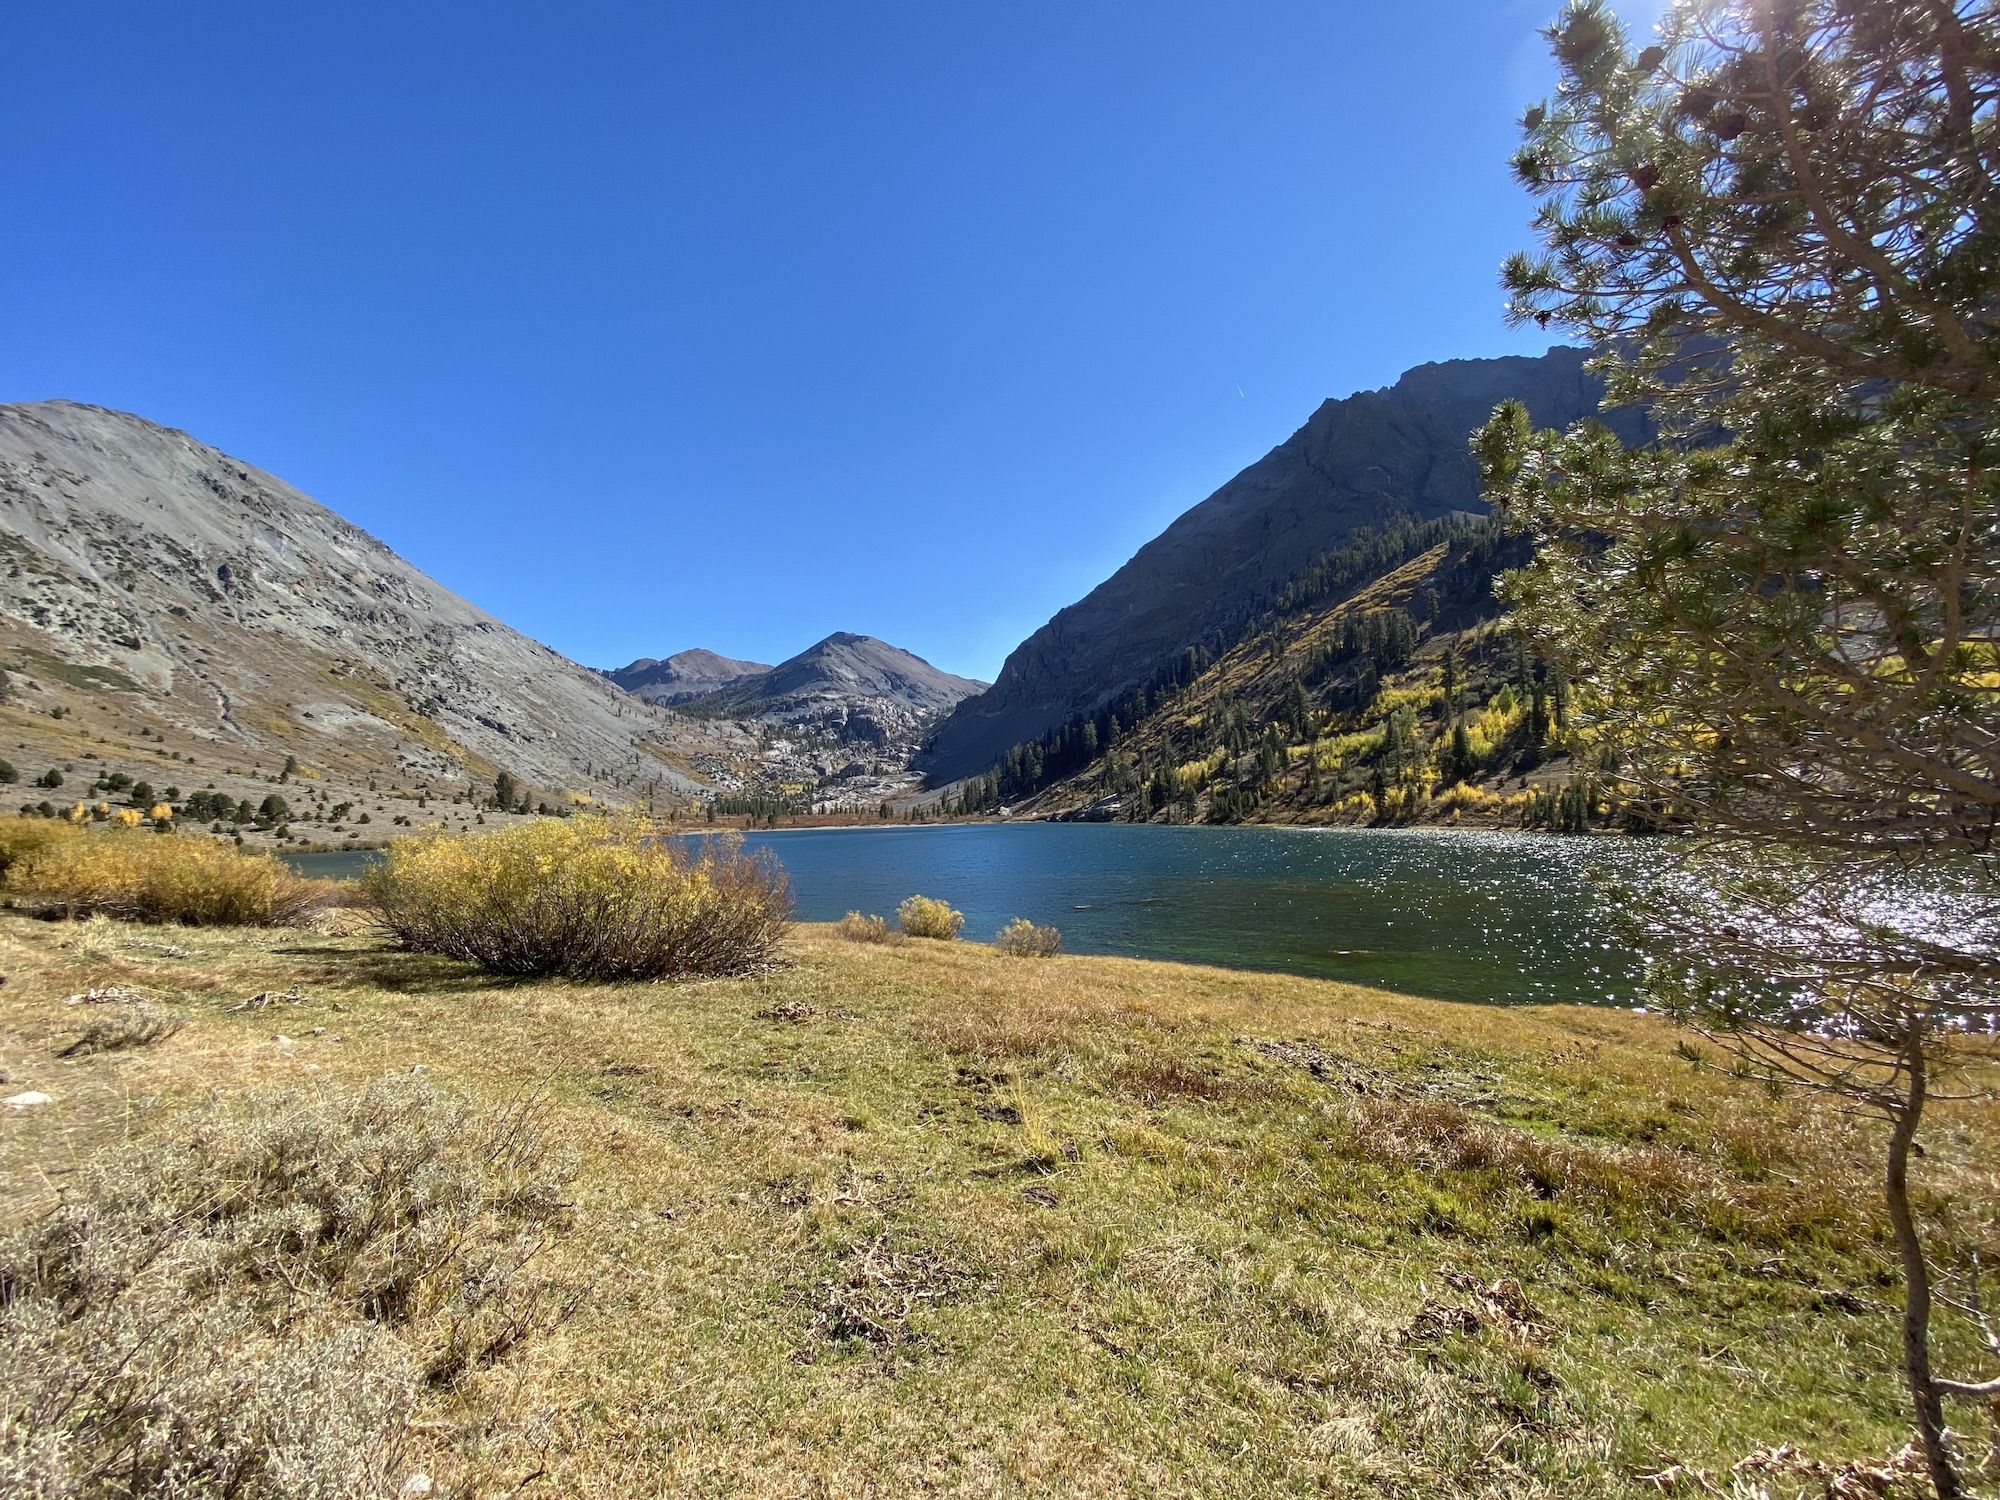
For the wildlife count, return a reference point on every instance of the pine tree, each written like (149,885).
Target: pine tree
(1462,763)
(1781,226)
(1297,712)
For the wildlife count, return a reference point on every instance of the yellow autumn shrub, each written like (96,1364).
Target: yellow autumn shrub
(869,929)
(1461,795)
(925,917)
(584,898)
(144,877)
(1021,938)
(23,838)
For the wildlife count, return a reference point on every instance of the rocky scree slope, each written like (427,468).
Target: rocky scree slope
(160,582)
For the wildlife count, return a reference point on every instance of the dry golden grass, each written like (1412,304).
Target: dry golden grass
(921,1219)
(255,1302)
(117,1025)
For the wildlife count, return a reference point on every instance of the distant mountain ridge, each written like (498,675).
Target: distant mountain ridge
(852,687)
(685,674)
(1364,461)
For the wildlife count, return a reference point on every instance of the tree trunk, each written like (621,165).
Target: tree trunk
(1917,1279)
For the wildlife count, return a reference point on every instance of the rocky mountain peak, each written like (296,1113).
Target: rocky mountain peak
(684,675)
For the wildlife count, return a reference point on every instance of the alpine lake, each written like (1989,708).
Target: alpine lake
(1480,916)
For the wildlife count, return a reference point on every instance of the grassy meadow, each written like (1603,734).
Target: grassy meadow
(921,1217)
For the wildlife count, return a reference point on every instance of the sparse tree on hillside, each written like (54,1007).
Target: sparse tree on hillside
(1460,761)
(1782,225)
(506,791)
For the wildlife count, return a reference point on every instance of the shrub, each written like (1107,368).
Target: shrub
(107,1402)
(924,917)
(1463,795)
(115,1028)
(584,898)
(194,882)
(1021,938)
(323,1257)
(869,929)
(23,838)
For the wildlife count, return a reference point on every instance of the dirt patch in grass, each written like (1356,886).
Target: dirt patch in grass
(881,1291)
(1499,1305)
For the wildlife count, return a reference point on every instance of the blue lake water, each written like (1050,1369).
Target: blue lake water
(1460,915)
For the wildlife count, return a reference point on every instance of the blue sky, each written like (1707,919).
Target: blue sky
(734,323)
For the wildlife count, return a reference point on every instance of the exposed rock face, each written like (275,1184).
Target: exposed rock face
(685,674)
(1357,462)
(180,589)
(852,688)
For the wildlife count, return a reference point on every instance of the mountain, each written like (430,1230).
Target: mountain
(1365,461)
(685,674)
(1381,687)
(160,598)
(850,688)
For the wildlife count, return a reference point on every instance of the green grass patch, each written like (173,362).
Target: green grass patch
(899,1219)
(40,664)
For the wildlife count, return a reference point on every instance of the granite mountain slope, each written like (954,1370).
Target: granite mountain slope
(155,586)
(1362,462)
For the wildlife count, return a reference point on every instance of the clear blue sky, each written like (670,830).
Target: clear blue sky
(734,323)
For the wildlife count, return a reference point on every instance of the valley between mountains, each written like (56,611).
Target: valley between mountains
(1317,641)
